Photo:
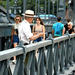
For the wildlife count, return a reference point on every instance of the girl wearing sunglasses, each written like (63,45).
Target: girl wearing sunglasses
(14,36)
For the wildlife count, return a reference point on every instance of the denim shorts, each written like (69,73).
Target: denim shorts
(15,39)
(38,39)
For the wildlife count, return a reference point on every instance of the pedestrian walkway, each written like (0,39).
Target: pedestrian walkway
(68,71)
(12,66)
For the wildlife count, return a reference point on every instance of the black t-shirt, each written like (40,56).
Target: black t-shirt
(66,27)
(16,30)
(71,30)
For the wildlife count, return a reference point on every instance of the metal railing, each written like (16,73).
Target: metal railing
(55,55)
(5,36)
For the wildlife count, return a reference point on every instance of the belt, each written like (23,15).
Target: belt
(25,43)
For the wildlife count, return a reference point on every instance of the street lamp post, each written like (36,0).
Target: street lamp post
(38,6)
(57,7)
(45,10)
(35,7)
(69,7)
(64,8)
(8,17)
(53,1)
(48,11)
(74,12)
(15,8)
(24,6)
(41,10)
(61,11)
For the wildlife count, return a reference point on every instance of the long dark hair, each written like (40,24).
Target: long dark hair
(41,22)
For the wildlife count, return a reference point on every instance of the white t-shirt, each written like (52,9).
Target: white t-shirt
(15,26)
(25,32)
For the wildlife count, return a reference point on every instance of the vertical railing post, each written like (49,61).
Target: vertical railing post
(74,49)
(61,55)
(66,55)
(8,17)
(42,72)
(67,52)
(33,64)
(56,59)
(50,60)
(71,50)
(6,67)
(0,42)
(20,69)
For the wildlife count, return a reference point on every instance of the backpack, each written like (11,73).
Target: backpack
(58,29)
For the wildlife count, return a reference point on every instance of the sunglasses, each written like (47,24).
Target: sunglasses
(18,19)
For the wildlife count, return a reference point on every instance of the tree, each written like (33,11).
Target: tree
(30,4)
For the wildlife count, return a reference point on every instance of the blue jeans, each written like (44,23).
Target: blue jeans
(15,39)
(38,39)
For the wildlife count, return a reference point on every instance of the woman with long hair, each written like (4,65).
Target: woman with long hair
(39,28)
(14,36)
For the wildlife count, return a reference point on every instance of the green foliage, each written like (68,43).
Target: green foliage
(31,5)
(11,3)
(3,3)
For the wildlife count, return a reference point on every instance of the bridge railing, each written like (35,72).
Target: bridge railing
(54,56)
(5,36)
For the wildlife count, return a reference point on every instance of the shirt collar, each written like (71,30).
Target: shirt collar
(26,21)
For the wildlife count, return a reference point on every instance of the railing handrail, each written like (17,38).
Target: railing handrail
(6,54)
(49,53)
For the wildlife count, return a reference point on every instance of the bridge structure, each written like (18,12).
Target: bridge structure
(51,60)
(64,9)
